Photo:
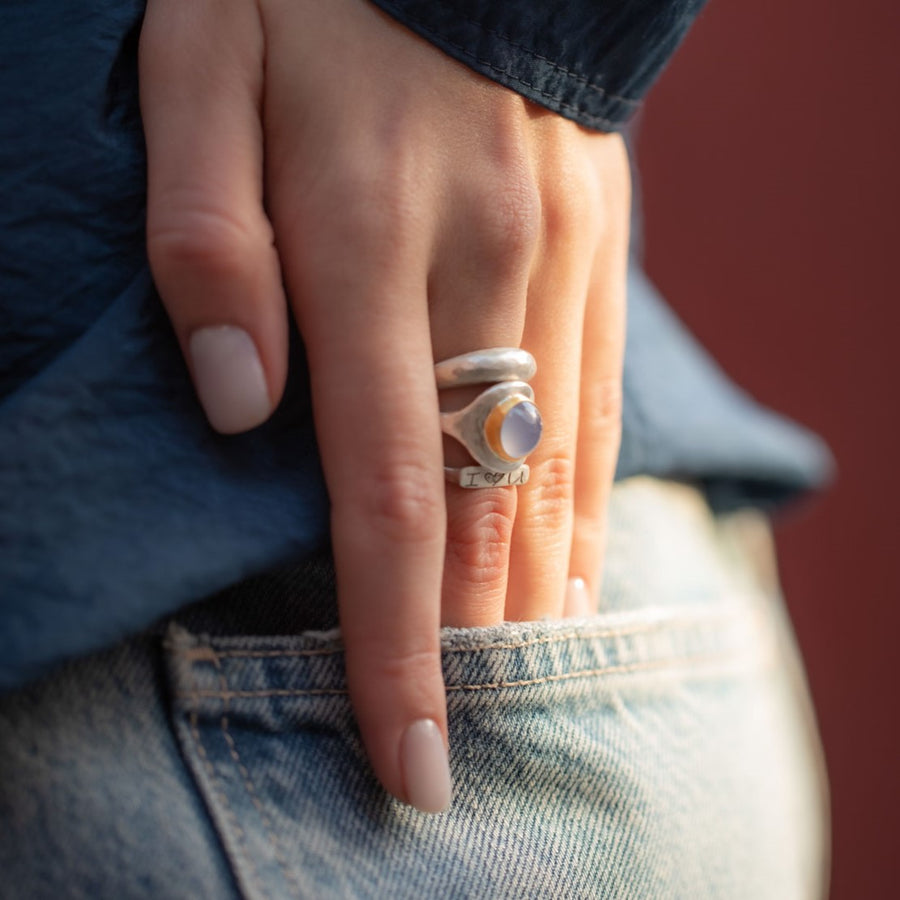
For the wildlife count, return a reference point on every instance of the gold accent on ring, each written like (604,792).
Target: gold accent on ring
(494,423)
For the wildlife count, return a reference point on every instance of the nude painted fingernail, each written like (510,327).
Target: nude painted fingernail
(578,599)
(229,378)
(426,769)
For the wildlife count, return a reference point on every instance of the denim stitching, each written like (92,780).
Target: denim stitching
(517,46)
(251,789)
(547,95)
(644,628)
(279,692)
(270,654)
(589,673)
(254,797)
(547,679)
(223,799)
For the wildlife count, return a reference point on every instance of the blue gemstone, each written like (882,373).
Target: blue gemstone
(521,430)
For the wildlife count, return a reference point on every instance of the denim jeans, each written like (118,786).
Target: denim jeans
(664,748)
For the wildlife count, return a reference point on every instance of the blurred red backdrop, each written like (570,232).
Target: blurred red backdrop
(770,154)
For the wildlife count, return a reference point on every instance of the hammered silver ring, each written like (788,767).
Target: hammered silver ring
(502,425)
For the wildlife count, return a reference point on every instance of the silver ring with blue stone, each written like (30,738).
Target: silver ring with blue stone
(502,425)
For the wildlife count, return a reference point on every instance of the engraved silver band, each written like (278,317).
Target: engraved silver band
(485,367)
(480,477)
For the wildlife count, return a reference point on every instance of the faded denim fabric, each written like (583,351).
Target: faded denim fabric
(663,748)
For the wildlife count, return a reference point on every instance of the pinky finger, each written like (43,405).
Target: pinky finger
(600,417)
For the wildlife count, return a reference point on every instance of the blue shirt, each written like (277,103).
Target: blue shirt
(118,504)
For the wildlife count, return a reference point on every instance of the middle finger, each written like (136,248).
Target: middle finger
(477,293)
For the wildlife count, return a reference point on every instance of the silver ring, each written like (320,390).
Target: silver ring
(480,477)
(485,367)
(502,425)
(499,428)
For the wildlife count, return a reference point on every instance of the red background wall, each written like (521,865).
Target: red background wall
(770,154)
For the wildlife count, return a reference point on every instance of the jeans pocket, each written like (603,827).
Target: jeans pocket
(644,754)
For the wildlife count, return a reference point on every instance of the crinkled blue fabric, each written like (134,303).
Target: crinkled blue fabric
(118,504)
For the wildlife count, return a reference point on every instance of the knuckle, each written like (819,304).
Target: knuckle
(403,502)
(208,241)
(508,223)
(551,493)
(600,416)
(478,539)
(588,535)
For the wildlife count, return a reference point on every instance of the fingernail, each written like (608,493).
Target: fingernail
(426,769)
(229,378)
(578,599)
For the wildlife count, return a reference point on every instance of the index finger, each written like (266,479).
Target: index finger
(365,324)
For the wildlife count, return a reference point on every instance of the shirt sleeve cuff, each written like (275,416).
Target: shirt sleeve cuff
(588,60)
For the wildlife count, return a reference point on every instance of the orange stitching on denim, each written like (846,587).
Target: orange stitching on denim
(608,670)
(248,784)
(563,676)
(202,653)
(643,628)
(214,780)
(683,621)
(254,798)
(269,654)
(275,692)
(223,799)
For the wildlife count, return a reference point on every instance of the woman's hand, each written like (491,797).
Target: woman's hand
(319,157)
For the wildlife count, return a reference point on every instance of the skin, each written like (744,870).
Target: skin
(319,160)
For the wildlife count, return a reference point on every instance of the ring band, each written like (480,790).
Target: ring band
(485,367)
(480,477)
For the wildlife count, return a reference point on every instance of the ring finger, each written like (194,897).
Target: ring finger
(542,537)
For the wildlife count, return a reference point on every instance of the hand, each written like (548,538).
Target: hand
(414,210)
